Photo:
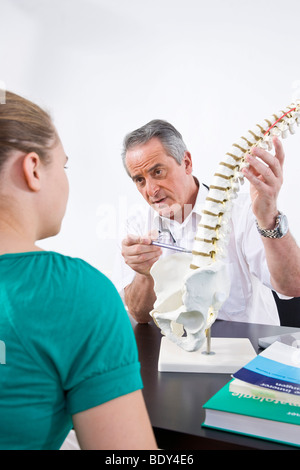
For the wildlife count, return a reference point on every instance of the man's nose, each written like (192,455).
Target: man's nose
(152,187)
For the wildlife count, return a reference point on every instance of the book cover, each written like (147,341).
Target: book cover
(277,368)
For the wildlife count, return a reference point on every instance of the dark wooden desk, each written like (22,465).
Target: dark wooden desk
(174,400)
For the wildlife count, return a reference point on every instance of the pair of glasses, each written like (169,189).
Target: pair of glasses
(167,245)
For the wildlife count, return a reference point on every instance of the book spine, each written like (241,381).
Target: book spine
(246,389)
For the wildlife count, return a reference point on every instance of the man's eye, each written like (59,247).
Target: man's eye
(159,173)
(139,181)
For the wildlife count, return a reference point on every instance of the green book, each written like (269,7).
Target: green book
(261,417)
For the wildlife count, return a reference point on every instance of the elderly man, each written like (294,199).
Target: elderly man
(158,162)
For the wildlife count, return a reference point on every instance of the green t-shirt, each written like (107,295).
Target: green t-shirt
(66,346)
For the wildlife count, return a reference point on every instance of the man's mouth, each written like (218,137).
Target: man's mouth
(159,201)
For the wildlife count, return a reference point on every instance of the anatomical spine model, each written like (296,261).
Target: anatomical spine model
(191,290)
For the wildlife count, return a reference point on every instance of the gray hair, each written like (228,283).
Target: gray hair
(170,138)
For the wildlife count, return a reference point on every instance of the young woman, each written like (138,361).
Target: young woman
(70,354)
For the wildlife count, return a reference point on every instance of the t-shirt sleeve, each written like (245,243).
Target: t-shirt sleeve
(104,359)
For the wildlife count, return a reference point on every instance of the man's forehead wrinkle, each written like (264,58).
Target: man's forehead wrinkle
(141,165)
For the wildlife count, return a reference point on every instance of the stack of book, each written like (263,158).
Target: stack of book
(263,398)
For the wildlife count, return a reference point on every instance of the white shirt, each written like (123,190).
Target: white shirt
(250,299)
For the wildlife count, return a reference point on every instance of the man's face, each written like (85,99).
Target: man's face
(164,184)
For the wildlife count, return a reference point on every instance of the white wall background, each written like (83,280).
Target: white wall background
(105,67)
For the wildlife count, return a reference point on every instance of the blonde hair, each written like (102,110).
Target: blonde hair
(26,127)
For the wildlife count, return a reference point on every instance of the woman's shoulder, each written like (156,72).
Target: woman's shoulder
(77,269)
(51,268)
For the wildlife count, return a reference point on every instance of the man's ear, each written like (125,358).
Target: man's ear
(31,169)
(187,161)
